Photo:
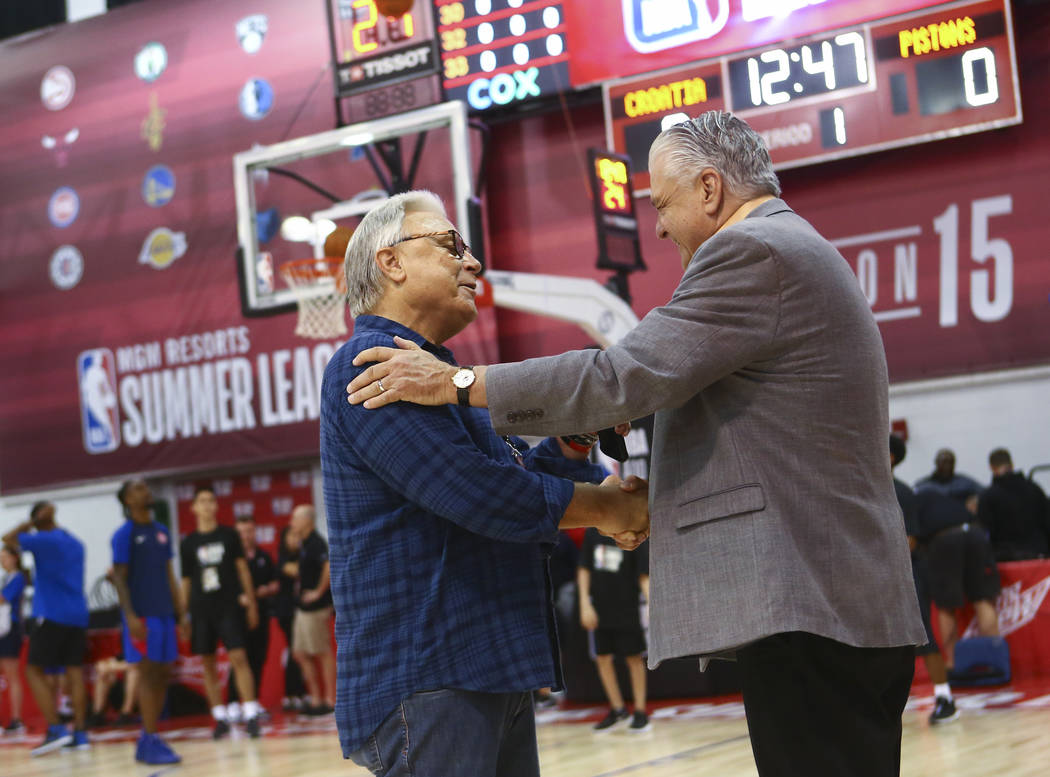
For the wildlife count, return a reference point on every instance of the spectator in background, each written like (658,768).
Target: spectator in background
(214,575)
(284,609)
(264,578)
(945,480)
(60,609)
(107,674)
(566,457)
(944,703)
(612,583)
(311,639)
(13,581)
(151,605)
(962,566)
(1015,512)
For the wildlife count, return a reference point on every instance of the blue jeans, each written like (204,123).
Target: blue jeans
(454,733)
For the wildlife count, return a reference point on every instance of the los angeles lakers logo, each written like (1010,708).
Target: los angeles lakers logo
(162,248)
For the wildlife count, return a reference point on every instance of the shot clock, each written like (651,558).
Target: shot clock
(384,64)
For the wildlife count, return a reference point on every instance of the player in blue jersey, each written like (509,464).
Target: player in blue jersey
(12,583)
(59,637)
(151,603)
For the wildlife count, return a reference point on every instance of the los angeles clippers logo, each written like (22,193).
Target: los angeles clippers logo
(97,379)
(655,25)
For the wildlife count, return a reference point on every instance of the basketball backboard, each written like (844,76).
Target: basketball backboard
(312,177)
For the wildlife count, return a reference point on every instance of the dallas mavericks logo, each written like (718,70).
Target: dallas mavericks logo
(98,400)
(655,25)
(256,98)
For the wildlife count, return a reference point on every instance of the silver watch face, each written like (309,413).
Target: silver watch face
(463,379)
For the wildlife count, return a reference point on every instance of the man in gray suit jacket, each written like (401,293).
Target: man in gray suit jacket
(776,534)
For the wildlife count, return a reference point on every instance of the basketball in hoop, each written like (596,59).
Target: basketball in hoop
(394,8)
(320,291)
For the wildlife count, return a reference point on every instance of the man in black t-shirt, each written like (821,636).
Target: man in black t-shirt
(311,639)
(611,584)
(264,581)
(944,710)
(214,576)
(1015,512)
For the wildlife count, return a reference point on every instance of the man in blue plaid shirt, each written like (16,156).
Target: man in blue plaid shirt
(439,529)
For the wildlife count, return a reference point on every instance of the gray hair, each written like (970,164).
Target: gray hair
(380,228)
(720,140)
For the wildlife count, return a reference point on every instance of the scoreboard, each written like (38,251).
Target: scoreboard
(819,79)
(497,53)
(918,77)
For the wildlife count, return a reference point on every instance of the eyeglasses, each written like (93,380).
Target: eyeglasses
(459,248)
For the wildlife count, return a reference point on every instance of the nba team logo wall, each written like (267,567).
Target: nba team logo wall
(251,31)
(57,88)
(63,207)
(97,380)
(655,25)
(158,186)
(256,99)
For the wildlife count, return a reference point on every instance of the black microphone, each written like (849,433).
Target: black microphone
(612,444)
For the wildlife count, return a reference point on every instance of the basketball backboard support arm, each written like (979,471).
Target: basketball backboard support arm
(581,301)
(450,115)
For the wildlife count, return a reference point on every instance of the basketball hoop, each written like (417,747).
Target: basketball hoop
(320,291)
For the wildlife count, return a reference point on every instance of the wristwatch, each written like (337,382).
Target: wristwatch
(463,379)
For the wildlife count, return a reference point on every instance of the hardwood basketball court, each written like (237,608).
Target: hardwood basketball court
(1000,732)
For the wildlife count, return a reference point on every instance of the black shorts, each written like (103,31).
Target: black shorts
(11,642)
(56,644)
(209,627)
(920,572)
(962,567)
(618,642)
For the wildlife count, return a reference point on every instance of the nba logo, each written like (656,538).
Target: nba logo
(98,400)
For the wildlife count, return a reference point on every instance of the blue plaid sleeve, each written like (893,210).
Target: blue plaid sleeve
(547,457)
(427,455)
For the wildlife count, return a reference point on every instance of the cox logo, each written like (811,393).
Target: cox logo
(503,89)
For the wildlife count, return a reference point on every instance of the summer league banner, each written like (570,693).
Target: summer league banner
(124,346)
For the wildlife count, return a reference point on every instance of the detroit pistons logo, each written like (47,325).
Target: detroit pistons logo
(97,381)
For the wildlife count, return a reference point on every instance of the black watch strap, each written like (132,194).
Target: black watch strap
(463,394)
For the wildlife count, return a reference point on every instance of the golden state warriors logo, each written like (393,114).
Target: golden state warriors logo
(162,247)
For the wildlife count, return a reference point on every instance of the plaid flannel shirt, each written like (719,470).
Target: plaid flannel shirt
(439,545)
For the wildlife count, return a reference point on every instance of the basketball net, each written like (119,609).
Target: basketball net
(320,291)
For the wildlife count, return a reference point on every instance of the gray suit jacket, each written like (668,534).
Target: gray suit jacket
(771,497)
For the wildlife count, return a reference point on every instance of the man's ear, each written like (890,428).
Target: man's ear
(708,187)
(389,264)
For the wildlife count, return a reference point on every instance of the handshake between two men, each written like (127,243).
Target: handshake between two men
(617,508)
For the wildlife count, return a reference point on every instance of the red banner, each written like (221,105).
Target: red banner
(642,36)
(1024,619)
(124,345)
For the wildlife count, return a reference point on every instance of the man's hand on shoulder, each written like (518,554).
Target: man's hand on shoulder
(403,374)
